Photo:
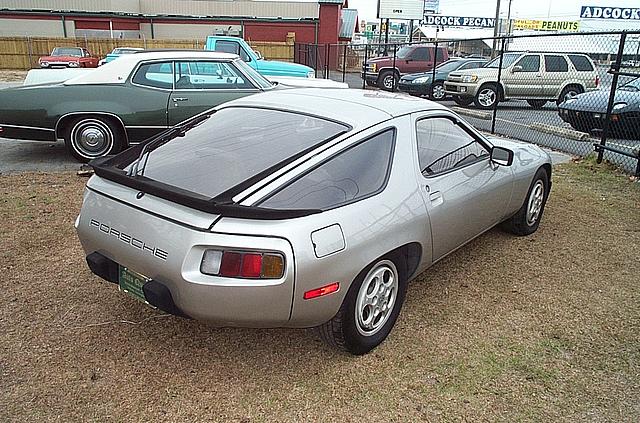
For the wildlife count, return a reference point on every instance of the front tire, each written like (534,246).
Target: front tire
(537,104)
(388,80)
(527,219)
(486,97)
(463,101)
(88,138)
(370,308)
(437,91)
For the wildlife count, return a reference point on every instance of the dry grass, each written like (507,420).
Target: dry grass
(12,75)
(542,328)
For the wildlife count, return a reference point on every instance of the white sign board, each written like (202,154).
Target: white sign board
(431,6)
(400,9)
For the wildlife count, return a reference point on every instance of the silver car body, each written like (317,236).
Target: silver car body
(426,217)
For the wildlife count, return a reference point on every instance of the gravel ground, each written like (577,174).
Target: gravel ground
(541,328)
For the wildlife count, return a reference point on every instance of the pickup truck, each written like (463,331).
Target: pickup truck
(235,45)
(413,58)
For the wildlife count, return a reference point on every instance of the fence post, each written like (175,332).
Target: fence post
(433,71)
(30,50)
(495,105)
(344,62)
(327,63)
(393,81)
(315,62)
(612,93)
(364,66)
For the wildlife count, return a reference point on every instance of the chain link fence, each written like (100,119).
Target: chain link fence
(577,93)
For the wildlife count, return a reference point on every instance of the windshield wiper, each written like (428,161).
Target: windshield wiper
(161,139)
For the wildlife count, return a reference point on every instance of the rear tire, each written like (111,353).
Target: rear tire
(370,308)
(537,104)
(527,219)
(569,92)
(90,137)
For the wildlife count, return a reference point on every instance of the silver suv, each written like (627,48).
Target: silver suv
(535,77)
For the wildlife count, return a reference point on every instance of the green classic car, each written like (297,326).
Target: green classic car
(125,101)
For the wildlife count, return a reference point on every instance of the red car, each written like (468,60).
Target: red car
(69,57)
(411,58)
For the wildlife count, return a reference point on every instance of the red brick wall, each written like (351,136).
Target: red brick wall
(273,31)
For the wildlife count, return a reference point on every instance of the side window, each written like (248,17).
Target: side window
(581,63)
(420,54)
(356,173)
(555,63)
(194,75)
(530,63)
(157,75)
(443,145)
(227,47)
(244,56)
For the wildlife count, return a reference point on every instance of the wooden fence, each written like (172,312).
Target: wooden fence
(23,52)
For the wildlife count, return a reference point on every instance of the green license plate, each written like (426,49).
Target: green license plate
(131,282)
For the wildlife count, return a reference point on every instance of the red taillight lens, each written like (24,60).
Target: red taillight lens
(319,292)
(230,265)
(251,266)
(597,80)
(242,264)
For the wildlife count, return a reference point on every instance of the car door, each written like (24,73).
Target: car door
(418,61)
(556,71)
(464,192)
(203,84)
(524,78)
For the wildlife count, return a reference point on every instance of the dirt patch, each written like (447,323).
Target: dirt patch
(540,328)
(12,75)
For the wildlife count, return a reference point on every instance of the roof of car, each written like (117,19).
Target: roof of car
(355,107)
(117,71)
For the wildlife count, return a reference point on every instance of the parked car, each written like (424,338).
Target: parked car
(588,111)
(236,45)
(70,57)
(535,77)
(130,99)
(421,84)
(380,71)
(117,52)
(303,208)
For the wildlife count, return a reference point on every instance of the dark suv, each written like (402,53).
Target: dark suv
(380,71)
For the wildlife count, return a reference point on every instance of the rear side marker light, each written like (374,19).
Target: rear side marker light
(242,264)
(319,292)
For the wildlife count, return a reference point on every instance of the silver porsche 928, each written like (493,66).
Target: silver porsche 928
(303,208)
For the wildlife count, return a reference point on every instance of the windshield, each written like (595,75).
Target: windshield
(253,74)
(449,65)
(631,86)
(507,61)
(61,51)
(234,145)
(404,52)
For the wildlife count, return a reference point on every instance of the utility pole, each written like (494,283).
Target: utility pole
(495,29)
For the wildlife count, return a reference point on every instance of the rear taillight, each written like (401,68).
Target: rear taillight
(242,264)
(597,81)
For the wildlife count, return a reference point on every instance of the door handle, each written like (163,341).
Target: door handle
(180,99)
(538,76)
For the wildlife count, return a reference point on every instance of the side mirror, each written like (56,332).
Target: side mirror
(502,156)
(516,68)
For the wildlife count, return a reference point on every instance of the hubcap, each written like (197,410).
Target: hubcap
(376,298)
(388,82)
(536,199)
(570,95)
(92,138)
(486,97)
(437,92)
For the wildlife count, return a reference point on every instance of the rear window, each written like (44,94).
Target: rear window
(234,145)
(581,63)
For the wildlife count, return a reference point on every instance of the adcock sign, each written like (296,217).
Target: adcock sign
(597,12)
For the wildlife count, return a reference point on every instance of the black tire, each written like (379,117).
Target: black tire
(388,80)
(569,92)
(463,101)
(521,223)
(486,97)
(344,330)
(370,83)
(437,91)
(582,127)
(537,104)
(81,133)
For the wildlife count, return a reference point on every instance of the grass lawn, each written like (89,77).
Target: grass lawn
(540,328)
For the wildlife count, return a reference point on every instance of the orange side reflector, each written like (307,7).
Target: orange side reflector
(319,292)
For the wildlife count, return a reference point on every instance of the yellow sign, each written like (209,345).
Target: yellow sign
(546,25)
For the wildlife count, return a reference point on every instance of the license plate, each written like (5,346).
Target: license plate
(131,282)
